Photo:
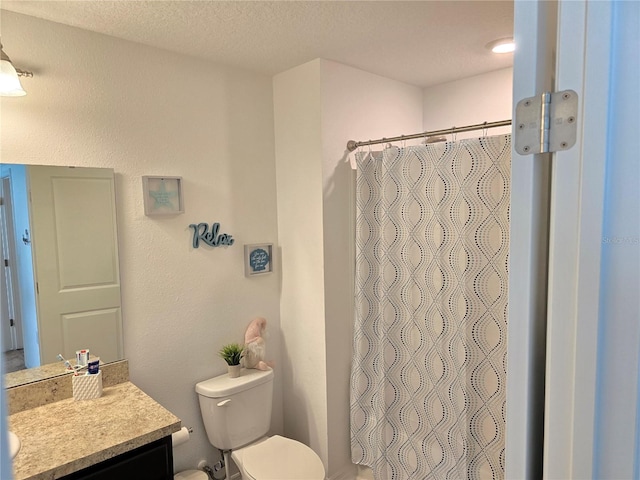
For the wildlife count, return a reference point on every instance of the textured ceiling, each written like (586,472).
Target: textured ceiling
(418,42)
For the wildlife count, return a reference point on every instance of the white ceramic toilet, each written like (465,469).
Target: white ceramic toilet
(237,414)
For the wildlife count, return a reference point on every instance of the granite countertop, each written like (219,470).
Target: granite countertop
(66,436)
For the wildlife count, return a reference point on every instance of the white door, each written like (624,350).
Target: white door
(10,313)
(76,261)
(591,311)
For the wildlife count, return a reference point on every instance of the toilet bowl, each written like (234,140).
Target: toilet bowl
(191,475)
(278,458)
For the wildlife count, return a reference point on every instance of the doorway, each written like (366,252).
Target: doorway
(12,341)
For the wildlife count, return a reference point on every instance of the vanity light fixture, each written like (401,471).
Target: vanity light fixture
(9,81)
(502,45)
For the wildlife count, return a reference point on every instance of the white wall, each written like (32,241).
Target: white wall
(299,186)
(319,106)
(98,101)
(469,101)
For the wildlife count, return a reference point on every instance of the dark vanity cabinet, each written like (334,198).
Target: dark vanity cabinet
(153,461)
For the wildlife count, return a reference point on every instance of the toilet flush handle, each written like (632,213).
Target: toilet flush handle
(224,403)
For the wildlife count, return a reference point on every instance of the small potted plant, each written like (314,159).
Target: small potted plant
(232,353)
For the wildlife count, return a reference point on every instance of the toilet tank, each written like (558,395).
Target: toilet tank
(236,411)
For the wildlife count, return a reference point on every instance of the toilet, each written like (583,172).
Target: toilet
(237,415)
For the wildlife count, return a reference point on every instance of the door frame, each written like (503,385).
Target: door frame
(576,330)
(575,244)
(533,73)
(9,252)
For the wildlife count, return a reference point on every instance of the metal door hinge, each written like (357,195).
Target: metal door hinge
(546,123)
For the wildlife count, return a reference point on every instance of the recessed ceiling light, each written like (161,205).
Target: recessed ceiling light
(502,45)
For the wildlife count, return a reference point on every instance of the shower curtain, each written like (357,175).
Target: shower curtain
(428,372)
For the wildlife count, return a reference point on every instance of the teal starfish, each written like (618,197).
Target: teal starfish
(162,197)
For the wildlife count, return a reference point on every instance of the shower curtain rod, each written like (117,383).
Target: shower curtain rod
(352,144)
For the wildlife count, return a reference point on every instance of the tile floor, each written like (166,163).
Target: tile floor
(13,361)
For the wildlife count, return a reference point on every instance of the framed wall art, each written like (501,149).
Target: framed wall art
(258,259)
(162,195)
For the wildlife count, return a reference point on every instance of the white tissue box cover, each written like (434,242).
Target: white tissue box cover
(86,387)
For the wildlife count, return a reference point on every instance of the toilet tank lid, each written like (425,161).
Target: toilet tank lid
(224,385)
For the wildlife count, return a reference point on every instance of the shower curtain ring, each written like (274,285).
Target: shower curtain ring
(485,130)
(454,136)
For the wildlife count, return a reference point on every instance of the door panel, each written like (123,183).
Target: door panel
(76,261)
(96,328)
(91,242)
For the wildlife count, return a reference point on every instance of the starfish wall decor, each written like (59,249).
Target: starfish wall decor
(162,195)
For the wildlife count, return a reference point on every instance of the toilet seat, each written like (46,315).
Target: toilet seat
(280,458)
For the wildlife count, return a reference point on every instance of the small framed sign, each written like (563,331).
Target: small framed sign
(258,259)
(162,195)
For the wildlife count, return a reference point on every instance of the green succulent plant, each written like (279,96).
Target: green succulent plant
(231,353)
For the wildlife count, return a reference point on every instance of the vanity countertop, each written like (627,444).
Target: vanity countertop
(66,436)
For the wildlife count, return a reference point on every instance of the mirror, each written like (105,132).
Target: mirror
(61,286)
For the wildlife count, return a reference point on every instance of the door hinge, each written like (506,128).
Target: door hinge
(6,262)
(546,123)
(11,323)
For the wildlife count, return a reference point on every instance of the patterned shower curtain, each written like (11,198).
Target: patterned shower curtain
(428,373)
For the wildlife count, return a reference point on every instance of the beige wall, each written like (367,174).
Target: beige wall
(98,101)
(469,101)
